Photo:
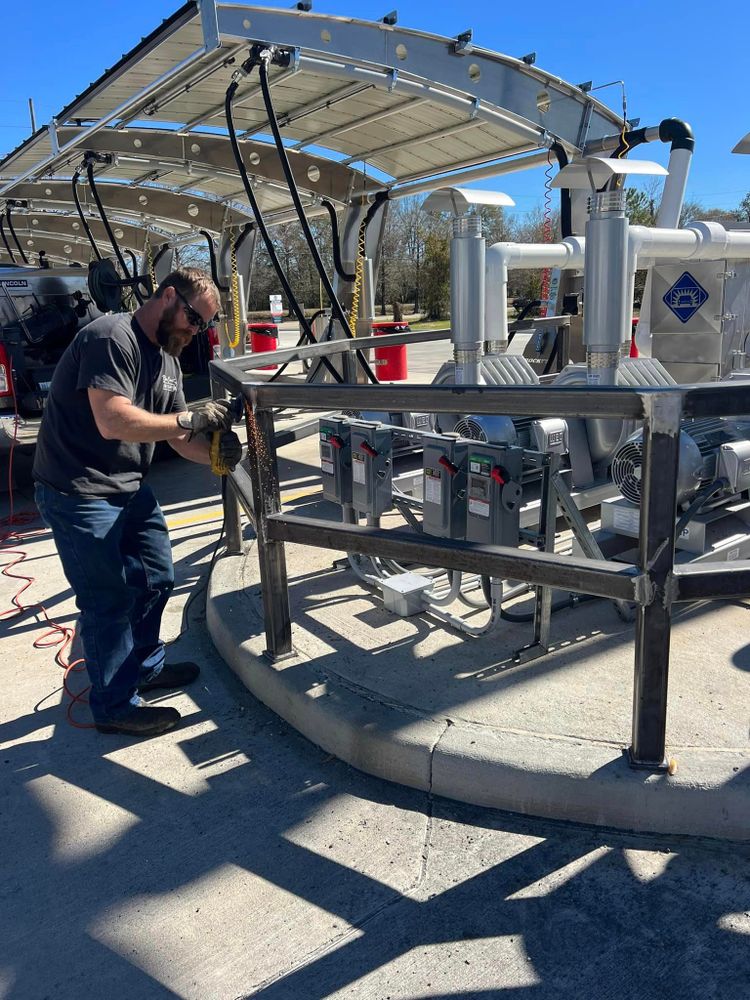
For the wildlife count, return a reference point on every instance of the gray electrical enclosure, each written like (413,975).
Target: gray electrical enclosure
(336,459)
(372,468)
(444,485)
(493,494)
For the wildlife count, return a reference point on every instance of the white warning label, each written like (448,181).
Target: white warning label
(358,467)
(433,489)
(479,507)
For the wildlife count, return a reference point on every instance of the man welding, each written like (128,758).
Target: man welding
(116,391)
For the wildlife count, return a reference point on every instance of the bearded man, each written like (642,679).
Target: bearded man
(116,391)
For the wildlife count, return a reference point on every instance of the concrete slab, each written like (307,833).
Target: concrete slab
(415,702)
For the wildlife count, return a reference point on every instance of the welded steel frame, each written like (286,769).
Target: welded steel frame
(653,585)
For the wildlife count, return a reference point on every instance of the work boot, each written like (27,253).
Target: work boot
(171,675)
(142,720)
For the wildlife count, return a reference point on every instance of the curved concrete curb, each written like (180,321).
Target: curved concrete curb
(534,774)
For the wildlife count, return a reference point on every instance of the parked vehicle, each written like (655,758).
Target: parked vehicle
(41,311)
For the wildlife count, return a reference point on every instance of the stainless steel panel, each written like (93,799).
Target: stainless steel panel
(736,311)
(699,348)
(707,318)
(687,372)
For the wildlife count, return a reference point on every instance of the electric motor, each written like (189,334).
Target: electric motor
(494,429)
(709,449)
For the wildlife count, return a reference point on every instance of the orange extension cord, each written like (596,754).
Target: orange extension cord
(57,636)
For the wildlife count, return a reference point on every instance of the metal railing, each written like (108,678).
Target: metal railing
(654,584)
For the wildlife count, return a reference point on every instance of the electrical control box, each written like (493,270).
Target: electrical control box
(336,459)
(444,485)
(372,467)
(493,493)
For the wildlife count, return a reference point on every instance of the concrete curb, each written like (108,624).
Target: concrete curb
(534,774)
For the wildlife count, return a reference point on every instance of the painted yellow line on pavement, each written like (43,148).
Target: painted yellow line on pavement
(288,497)
(212,514)
(215,513)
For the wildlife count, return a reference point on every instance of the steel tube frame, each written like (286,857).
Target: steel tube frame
(653,585)
(653,623)
(264,477)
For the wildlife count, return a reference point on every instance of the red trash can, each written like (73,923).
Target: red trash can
(390,362)
(263,337)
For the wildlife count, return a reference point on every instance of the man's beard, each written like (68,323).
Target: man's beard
(166,337)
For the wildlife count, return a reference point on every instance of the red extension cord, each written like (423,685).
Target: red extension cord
(57,636)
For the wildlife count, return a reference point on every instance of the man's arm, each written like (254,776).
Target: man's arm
(117,419)
(197,449)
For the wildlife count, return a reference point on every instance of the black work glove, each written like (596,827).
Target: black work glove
(230,449)
(213,415)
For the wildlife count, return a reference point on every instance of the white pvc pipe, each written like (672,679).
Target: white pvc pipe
(699,241)
(675,184)
(503,257)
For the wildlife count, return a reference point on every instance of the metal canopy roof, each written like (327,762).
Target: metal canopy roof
(403,104)
(41,228)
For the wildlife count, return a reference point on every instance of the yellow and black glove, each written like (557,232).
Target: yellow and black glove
(225,452)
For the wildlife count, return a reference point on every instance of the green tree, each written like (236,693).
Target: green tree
(640,207)
(743,212)
(436,276)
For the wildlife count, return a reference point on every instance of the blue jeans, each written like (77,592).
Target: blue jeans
(116,556)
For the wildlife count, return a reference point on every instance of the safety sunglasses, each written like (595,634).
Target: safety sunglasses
(194,318)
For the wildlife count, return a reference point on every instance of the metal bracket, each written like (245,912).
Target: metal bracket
(210,23)
(530,652)
(474,108)
(462,44)
(645,765)
(278,657)
(393,74)
(54,142)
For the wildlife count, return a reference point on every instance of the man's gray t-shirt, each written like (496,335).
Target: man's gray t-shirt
(111,353)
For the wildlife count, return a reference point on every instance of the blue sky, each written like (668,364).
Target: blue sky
(686,60)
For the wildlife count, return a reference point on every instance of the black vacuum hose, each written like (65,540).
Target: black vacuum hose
(284,160)
(337,262)
(5,239)
(212,257)
(82,217)
(110,234)
(24,258)
(296,308)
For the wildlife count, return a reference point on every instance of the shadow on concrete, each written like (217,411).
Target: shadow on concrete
(588,925)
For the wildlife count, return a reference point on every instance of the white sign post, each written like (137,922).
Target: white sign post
(277,310)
